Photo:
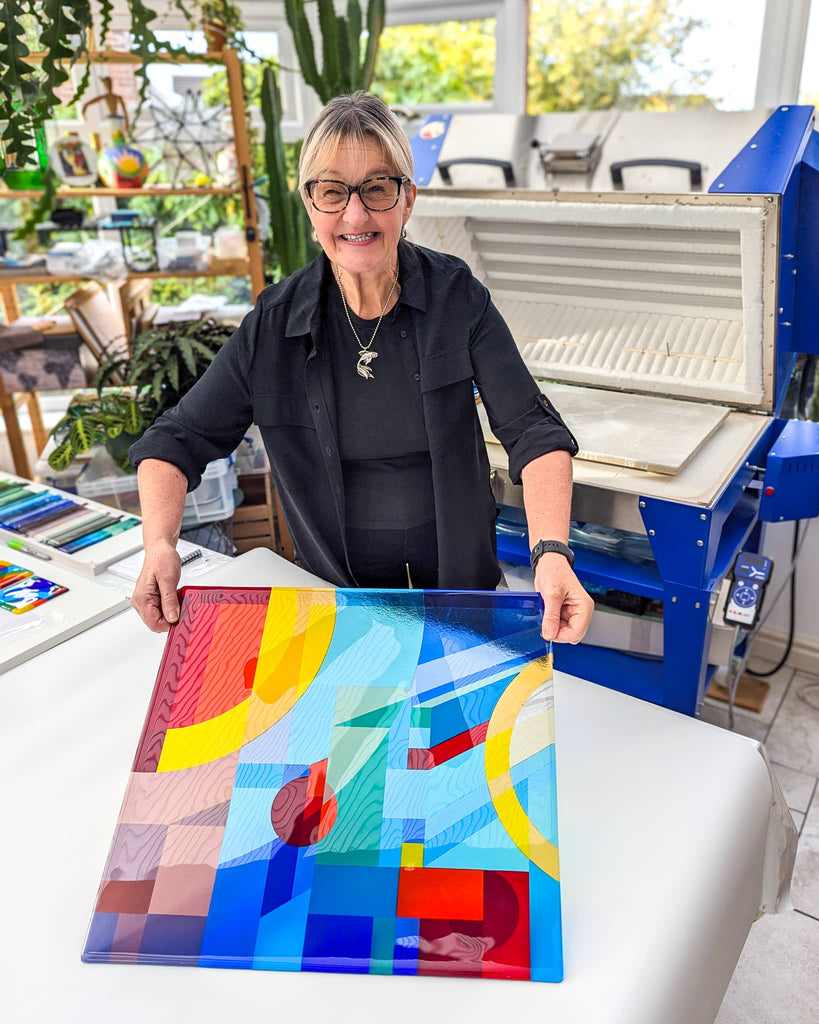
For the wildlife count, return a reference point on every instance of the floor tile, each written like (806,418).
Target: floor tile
(805,883)
(776,980)
(778,683)
(793,740)
(797,787)
(716,713)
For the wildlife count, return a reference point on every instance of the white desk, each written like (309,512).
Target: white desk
(665,839)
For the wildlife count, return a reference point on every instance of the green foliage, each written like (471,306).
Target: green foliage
(19,84)
(113,414)
(594,55)
(289,223)
(27,91)
(448,62)
(344,68)
(165,363)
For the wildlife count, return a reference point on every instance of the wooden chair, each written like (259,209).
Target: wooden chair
(136,309)
(99,325)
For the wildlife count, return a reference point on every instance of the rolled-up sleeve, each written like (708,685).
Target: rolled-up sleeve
(211,419)
(523,420)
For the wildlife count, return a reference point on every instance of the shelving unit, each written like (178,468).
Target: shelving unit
(251,267)
(244,188)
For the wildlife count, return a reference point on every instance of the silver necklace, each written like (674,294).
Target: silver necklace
(365,352)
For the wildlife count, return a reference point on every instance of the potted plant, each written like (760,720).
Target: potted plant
(165,362)
(114,417)
(221,23)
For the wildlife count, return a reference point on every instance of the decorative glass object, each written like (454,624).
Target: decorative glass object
(122,165)
(359,781)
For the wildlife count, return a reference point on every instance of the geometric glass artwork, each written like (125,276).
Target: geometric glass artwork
(190,135)
(359,781)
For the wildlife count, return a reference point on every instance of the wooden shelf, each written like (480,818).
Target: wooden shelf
(22,279)
(118,57)
(83,192)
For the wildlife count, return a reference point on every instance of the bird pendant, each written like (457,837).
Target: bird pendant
(365,357)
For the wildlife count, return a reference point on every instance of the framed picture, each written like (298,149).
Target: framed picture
(73,161)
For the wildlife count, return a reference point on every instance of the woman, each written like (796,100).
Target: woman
(359,370)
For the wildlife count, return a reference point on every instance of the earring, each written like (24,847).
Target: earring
(403,232)
(314,236)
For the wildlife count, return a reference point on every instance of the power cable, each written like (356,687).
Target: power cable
(790,579)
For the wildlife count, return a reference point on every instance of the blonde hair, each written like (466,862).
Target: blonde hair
(359,119)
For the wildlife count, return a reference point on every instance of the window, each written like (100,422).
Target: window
(448,62)
(643,54)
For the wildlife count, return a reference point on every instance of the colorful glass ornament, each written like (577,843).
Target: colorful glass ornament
(122,165)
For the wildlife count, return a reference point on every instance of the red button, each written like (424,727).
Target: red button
(769,491)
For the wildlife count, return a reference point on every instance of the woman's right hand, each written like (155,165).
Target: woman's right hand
(155,597)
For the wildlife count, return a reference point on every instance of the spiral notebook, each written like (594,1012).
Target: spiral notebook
(342,780)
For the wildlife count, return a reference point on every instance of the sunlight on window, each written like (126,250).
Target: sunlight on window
(643,54)
(809,85)
(446,62)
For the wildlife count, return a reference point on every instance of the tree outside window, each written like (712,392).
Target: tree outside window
(447,62)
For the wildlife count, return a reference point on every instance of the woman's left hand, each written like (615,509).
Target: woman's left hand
(567,606)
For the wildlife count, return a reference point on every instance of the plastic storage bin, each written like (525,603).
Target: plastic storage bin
(119,491)
(60,258)
(188,250)
(213,498)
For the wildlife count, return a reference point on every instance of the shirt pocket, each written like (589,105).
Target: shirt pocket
(445,368)
(282,410)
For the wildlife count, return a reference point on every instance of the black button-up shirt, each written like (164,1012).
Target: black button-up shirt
(269,373)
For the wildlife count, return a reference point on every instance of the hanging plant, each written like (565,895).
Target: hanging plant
(28,86)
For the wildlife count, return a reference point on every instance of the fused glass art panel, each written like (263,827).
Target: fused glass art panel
(342,780)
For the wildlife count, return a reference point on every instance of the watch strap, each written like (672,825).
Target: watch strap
(543,546)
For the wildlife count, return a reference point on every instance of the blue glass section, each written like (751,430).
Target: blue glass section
(258,776)
(338,944)
(174,936)
(405,952)
(546,951)
(100,936)
(351,891)
(235,908)
(413,830)
(281,875)
(280,938)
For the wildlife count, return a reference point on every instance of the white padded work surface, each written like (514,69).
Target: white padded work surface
(662,297)
(662,871)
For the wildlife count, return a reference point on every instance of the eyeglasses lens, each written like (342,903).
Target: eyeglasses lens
(378,194)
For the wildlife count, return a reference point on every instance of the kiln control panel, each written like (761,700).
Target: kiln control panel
(750,577)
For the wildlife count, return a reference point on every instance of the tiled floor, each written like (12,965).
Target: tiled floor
(777,978)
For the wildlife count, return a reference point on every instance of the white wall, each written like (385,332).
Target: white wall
(770,644)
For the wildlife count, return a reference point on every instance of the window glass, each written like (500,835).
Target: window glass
(643,54)
(809,85)
(445,62)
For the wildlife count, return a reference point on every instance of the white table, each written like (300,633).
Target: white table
(666,838)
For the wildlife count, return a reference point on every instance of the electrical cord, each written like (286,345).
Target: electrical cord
(796,547)
(807,379)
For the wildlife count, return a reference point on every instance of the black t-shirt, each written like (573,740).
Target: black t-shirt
(382,439)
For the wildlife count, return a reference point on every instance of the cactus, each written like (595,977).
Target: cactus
(289,223)
(344,69)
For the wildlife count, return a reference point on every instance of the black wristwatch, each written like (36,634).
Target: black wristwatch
(543,546)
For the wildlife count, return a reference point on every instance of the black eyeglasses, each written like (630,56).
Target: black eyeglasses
(377,194)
